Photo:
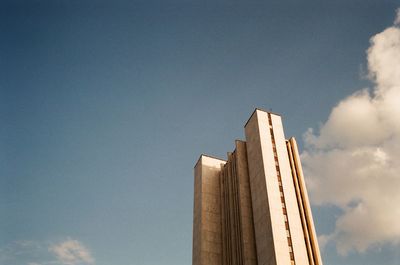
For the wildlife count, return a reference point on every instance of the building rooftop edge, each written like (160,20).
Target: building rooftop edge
(210,156)
(262,111)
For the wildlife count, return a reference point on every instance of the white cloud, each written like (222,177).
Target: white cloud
(71,252)
(67,252)
(353,162)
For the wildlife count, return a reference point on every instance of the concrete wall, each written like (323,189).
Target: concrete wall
(253,209)
(292,207)
(305,208)
(207,215)
(246,210)
(261,178)
(238,241)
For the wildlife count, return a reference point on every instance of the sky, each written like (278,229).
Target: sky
(105,106)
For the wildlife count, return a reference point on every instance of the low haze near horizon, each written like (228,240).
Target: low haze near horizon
(105,107)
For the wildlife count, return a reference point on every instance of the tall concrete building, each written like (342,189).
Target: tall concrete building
(253,208)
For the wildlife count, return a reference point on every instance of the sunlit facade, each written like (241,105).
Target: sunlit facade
(253,208)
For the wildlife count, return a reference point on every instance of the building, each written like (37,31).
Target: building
(253,208)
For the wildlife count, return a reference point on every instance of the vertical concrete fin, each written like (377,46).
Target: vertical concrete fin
(245,206)
(306,203)
(196,245)
(300,205)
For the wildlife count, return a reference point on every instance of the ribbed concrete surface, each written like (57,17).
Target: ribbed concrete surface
(253,209)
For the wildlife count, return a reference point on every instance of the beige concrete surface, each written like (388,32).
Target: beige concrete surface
(260,178)
(253,208)
(207,247)
(292,207)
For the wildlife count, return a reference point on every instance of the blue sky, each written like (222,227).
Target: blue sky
(105,106)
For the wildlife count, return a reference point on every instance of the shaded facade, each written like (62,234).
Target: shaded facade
(253,208)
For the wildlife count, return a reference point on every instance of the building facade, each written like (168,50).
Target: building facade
(253,208)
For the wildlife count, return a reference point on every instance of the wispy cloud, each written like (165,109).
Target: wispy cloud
(72,252)
(65,252)
(19,250)
(353,161)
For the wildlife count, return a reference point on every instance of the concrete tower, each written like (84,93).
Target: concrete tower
(253,208)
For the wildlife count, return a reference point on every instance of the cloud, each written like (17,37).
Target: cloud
(71,252)
(19,250)
(353,160)
(66,252)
